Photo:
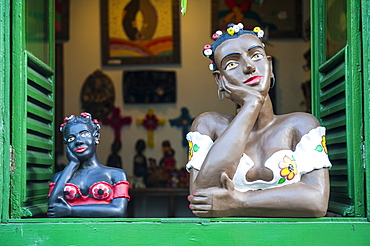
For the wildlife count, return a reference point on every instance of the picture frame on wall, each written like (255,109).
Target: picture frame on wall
(278,19)
(140,32)
(61,21)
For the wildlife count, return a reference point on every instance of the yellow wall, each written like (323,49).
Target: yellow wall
(196,89)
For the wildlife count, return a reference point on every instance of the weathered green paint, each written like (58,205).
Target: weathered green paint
(4,107)
(354,106)
(19,87)
(365,7)
(182,232)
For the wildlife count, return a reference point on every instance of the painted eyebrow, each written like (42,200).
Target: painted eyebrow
(254,46)
(233,53)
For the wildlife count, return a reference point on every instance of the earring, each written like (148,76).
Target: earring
(97,141)
(273,80)
(220,93)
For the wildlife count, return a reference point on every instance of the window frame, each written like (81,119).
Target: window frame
(181,231)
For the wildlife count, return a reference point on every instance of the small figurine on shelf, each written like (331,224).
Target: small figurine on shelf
(114,159)
(86,188)
(175,178)
(140,165)
(168,162)
(183,178)
(156,177)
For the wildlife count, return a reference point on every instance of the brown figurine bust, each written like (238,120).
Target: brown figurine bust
(256,163)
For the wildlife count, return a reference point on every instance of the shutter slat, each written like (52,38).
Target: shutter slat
(39,80)
(39,142)
(40,97)
(339,186)
(335,90)
(39,173)
(40,112)
(338,121)
(39,158)
(337,153)
(38,126)
(38,190)
(340,208)
(333,108)
(339,137)
(332,76)
(339,168)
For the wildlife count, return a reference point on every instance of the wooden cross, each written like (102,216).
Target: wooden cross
(116,121)
(150,122)
(184,121)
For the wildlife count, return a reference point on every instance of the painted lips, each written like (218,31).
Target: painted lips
(80,150)
(253,80)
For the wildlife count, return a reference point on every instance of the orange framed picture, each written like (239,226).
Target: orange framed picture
(140,32)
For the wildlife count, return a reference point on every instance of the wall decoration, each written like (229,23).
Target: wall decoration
(140,32)
(184,121)
(97,95)
(279,19)
(149,87)
(150,123)
(117,121)
(61,21)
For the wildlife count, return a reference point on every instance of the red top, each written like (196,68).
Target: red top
(99,193)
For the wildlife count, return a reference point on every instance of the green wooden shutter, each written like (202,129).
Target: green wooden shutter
(337,103)
(4,107)
(365,6)
(32,106)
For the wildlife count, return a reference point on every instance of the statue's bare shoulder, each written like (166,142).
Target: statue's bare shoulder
(211,124)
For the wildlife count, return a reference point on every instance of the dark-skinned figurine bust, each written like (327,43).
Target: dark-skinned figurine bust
(254,163)
(140,165)
(86,188)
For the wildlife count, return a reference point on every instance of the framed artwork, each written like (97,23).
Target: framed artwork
(149,86)
(278,19)
(61,21)
(140,32)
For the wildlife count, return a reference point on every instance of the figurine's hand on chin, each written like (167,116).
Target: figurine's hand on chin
(216,202)
(59,209)
(242,95)
(71,156)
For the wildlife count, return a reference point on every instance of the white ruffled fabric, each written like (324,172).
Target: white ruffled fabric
(308,155)
(201,145)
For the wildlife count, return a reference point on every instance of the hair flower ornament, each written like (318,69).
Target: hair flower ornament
(216,35)
(67,118)
(84,118)
(61,126)
(230,31)
(212,66)
(233,31)
(207,50)
(86,115)
(257,30)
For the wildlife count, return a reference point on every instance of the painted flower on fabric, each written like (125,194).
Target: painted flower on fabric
(192,148)
(288,169)
(70,192)
(322,147)
(101,191)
